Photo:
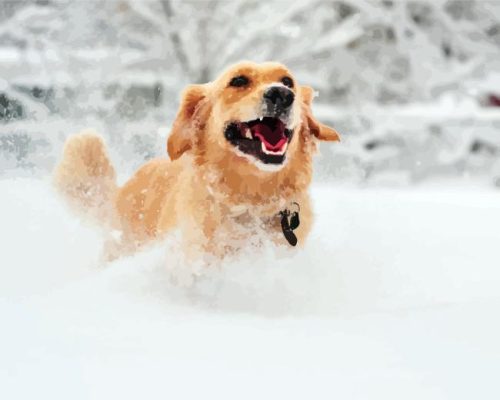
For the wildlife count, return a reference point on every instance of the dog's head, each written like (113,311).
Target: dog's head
(254,117)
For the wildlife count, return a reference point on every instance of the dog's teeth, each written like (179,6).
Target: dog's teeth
(248,134)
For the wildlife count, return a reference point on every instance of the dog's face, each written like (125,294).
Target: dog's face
(255,117)
(257,112)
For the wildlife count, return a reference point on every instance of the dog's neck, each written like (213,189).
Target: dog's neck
(263,194)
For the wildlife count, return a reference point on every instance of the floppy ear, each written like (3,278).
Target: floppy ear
(181,136)
(321,131)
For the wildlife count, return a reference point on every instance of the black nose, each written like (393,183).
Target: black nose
(278,97)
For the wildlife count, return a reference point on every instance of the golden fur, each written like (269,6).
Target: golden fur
(218,200)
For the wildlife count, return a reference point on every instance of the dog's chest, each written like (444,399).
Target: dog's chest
(244,226)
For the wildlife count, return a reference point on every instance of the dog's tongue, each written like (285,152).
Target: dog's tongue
(272,135)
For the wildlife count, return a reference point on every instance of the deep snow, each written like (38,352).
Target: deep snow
(394,297)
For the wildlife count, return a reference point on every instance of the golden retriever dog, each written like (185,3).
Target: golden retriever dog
(241,154)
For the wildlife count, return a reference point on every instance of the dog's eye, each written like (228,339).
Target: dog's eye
(287,81)
(239,81)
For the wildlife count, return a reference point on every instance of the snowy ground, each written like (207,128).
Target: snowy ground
(396,296)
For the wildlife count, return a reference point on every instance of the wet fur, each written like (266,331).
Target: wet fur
(218,200)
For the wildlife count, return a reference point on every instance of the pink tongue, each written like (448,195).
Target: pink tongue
(274,140)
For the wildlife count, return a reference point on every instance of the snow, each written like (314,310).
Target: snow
(395,296)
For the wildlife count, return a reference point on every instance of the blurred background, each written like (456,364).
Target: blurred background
(412,86)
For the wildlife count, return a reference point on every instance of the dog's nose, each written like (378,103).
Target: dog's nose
(278,97)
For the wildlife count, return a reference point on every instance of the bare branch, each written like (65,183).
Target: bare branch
(238,48)
(175,38)
(346,32)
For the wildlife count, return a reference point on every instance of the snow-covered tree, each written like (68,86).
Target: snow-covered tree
(123,61)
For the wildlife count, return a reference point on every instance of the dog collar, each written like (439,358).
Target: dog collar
(289,222)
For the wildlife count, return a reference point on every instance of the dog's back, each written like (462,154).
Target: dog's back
(142,200)
(87,180)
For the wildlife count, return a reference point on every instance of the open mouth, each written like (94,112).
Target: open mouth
(264,138)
